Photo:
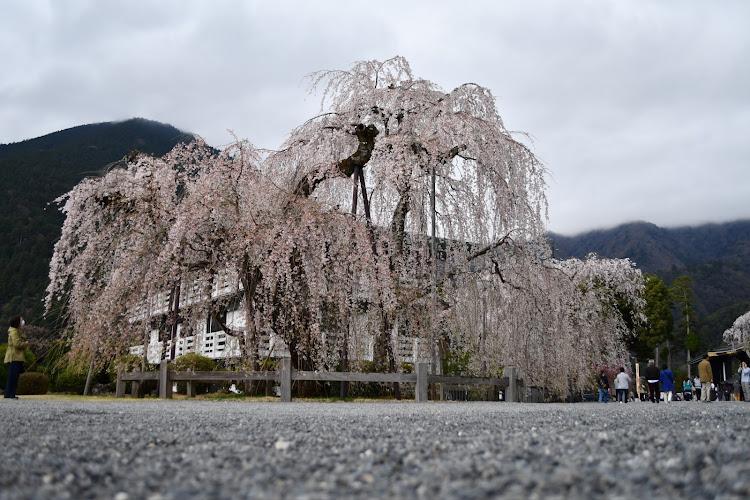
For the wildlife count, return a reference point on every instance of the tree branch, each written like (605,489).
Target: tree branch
(366,136)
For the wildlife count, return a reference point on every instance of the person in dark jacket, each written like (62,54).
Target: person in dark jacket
(666,379)
(652,377)
(603,383)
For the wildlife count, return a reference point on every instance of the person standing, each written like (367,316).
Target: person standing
(652,377)
(736,390)
(726,389)
(697,386)
(687,389)
(15,355)
(666,379)
(603,387)
(622,385)
(744,372)
(706,375)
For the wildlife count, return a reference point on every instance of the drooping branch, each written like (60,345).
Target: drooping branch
(225,327)
(366,136)
(451,153)
(505,240)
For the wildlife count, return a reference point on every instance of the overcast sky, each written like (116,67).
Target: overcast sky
(640,109)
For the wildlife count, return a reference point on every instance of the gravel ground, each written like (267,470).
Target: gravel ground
(133,449)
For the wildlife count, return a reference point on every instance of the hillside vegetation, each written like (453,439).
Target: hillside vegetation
(715,256)
(33,174)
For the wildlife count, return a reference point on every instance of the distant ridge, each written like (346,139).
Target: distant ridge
(35,172)
(138,128)
(715,256)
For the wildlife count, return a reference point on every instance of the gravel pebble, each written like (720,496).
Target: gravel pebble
(162,450)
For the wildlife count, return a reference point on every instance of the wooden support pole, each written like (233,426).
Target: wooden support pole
(165,385)
(510,393)
(89,378)
(190,388)
(120,389)
(286,380)
(420,392)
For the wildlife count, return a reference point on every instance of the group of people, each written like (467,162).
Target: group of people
(656,379)
(704,383)
(622,386)
(661,383)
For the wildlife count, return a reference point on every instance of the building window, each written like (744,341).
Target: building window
(213,325)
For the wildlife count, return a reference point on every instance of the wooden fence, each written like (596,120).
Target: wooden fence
(165,377)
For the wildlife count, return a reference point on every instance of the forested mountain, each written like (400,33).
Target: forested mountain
(33,174)
(715,256)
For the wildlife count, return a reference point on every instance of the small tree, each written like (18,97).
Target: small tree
(681,294)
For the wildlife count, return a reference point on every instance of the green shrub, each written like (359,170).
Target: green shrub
(33,383)
(197,363)
(30,360)
(194,362)
(70,381)
(456,362)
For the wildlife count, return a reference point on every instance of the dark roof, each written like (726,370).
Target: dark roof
(724,353)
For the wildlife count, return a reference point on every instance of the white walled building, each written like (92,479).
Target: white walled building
(208,339)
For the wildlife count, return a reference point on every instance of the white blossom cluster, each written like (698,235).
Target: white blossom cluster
(328,243)
(555,321)
(739,333)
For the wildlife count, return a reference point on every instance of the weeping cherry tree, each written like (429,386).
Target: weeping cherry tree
(374,231)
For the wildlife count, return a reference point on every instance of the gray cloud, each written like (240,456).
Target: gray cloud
(640,111)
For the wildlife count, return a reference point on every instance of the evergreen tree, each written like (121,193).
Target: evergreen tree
(659,319)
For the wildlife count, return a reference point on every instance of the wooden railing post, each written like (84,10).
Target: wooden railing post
(510,392)
(286,380)
(165,385)
(189,388)
(420,392)
(120,389)
(135,386)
